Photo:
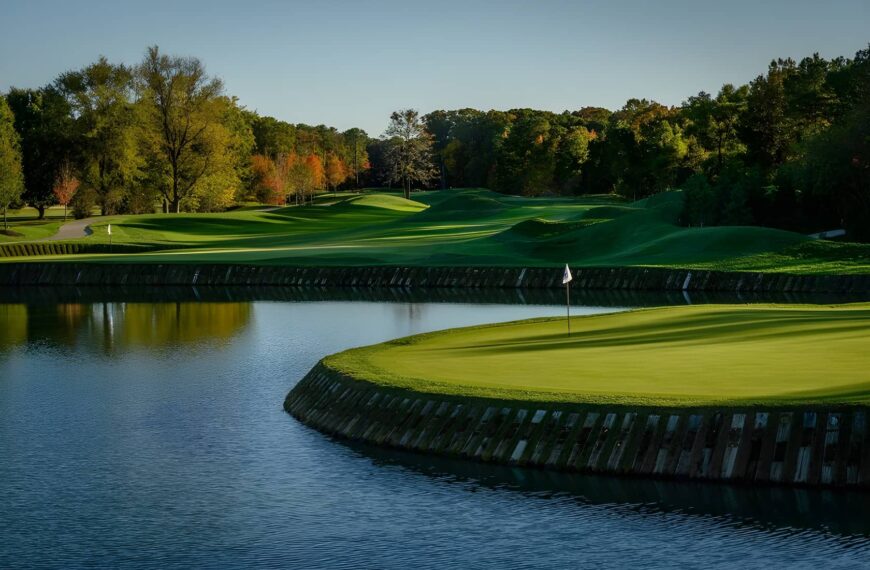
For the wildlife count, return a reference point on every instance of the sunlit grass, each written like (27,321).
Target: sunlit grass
(676,356)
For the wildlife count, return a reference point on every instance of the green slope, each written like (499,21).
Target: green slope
(470,227)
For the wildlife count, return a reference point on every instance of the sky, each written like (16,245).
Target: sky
(350,63)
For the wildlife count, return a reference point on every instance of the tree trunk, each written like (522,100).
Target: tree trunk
(64,212)
(41,210)
(5,221)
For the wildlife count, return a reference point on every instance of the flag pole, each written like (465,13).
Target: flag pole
(566,281)
(568,305)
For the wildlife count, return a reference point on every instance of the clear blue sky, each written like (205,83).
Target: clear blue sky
(350,63)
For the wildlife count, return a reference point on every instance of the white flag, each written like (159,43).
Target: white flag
(109,229)
(566,277)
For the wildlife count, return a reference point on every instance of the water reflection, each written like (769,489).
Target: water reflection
(835,512)
(113,327)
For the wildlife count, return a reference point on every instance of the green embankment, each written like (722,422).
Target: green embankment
(466,228)
(676,356)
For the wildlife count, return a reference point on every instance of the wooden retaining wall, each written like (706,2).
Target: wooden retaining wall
(811,446)
(614,278)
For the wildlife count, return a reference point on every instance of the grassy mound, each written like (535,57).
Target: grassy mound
(676,356)
(463,206)
(382,201)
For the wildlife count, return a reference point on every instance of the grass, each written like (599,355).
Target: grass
(469,227)
(677,356)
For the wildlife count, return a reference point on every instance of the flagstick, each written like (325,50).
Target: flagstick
(568,304)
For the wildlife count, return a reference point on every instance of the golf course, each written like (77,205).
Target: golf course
(447,228)
(701,355)
(752,393)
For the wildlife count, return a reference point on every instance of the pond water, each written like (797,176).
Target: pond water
(139,433)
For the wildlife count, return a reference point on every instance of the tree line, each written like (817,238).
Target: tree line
(161,134)
(789,150)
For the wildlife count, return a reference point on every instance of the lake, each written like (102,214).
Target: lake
(145,428)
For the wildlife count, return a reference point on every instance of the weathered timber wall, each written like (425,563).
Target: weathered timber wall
(634,278)
(813,446)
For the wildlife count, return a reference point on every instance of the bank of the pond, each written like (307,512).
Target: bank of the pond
(586,404)
(626,278)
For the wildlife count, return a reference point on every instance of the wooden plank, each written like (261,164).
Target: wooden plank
(752,449)
(676,446)
(645,442)
(616,455)
(577,459)
(733,439)
(600,441)
(559,452)
(711,436)
(854,468)
(784,431)
(717,455)
(830,451)
(801,469)
(689,444)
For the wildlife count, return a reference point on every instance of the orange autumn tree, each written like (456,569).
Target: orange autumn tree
(65,186)
(273,179)
(313,176)
(263,169)
(336,171)
(285,164)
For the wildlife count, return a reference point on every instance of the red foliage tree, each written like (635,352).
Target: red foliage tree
(65,187)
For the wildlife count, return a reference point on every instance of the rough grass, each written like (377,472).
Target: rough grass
(469,227)
(678,356)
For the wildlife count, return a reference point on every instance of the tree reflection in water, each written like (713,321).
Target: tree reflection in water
(117,326)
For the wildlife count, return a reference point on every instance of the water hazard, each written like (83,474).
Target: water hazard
(144,428)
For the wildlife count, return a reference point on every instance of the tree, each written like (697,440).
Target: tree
(837,167)
(335,171)
(65,186)
(310,176)
(767,128)
(527,161)
(182,108)
(572,155)
(714,122)
(44,124)
(356,141)
(265,179)
(11,175)
(409,153)
(100,99)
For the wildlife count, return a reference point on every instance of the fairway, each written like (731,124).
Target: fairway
(466,227)
(676,356)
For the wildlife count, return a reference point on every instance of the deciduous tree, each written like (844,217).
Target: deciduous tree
(65,186)
(11,176)
(100,98)
(182,112)
(409,154)
(335,171)
(44,122)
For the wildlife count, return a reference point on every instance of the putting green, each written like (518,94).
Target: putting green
(675,356)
